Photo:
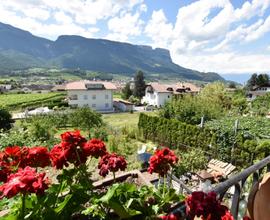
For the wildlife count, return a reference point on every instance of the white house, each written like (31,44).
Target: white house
(257,91)
(157,94)
(123,105)
(97,95)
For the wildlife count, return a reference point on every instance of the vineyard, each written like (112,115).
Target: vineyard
(21,101)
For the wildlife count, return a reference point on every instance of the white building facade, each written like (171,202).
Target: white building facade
(257,91)
(157,94)
(96,95)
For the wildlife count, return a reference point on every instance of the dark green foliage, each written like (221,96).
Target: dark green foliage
(5,119)
(126,91)
(257,80)
(85,119)
(139,85)
(261,105)
(173,133)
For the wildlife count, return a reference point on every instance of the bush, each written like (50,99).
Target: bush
(5,119)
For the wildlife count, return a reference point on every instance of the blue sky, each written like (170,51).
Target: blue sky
(224,36)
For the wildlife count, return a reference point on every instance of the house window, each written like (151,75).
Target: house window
(85,105)
(94,96)
(85,97)
(93,105)
(168,96)
(107,105)
(74,105)
(106,96)
(73,97)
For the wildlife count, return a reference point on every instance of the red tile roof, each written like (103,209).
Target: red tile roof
(164,87)
(81,85)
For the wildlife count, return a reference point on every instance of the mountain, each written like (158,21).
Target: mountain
(20,49)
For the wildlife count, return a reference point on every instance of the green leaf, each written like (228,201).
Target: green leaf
(63,204)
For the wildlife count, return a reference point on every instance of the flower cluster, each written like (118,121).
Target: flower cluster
(69,150)
(162,161)
(15,157)
(206,206)
(95,148)
(24,181)
(75,149)
(170,217)
(111,162)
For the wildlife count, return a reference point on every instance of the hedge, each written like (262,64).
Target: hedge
(176,134)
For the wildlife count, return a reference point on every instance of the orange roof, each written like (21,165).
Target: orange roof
(81,85)
(174,87)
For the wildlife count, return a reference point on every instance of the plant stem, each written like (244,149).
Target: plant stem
(164,186)
(114,177)
(23,205)
(58,192)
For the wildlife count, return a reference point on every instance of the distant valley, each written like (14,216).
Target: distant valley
(20,49)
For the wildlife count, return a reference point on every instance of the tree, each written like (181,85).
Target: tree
(252,81)
(257,80)
(5,119)
(139,85)
(262,79)
(85,119)
(126,91)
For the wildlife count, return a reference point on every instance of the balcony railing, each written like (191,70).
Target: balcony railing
(238,182)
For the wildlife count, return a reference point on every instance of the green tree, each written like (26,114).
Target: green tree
(262,79)
(252,81)
(85,119)
(139,85)
(5,119)
(126,91)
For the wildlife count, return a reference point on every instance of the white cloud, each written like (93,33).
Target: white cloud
(260,31)
(250,9)
(240,34)
(62,18)
(69,16)
(124,26)
(225,62)
(159,29)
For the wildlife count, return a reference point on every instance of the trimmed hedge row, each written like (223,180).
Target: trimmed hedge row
(174,133)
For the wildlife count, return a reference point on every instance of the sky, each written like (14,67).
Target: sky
(224,36)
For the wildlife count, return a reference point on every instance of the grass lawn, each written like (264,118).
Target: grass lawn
(119,120)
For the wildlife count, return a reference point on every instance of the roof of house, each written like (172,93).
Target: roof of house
(123,101)
(188,87)
(81,85)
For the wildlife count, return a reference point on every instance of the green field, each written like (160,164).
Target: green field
(17,101)
(120,120)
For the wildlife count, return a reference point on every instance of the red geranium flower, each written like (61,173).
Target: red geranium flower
(71,150)
(58,156)
(5,170)
(111,162)
(161,161)
(15,156)
(95,148)
(73,137)
(24,181)
(38,157)
(170,217)
(206,206)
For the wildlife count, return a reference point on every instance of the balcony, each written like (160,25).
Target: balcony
(236,191)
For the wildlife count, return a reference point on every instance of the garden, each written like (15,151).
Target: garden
(30,191)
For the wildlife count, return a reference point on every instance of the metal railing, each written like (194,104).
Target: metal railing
(238,182)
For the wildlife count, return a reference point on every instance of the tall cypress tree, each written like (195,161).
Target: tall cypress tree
(139,85)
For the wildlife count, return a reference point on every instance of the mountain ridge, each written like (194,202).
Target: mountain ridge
(72,51)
